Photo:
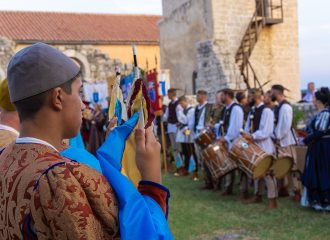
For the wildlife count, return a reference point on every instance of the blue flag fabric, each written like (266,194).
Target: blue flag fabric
(140,217)
(118,111)
(83,156)
(178,161)
(192,164)
(77,142)
(117,137)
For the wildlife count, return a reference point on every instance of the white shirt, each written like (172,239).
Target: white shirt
(235,124)
(309,97)
(34,141)
(201,121)
(189,121)
(283,131)
(262,136)
(171,128)
(10,129)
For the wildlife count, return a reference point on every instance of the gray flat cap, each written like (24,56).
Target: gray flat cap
(36,69)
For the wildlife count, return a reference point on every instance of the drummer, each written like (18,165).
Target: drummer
(202,117)
(284,135)
(269,101)
(242,100)
(217,108)
(259,129)
(229,130)
(215,117)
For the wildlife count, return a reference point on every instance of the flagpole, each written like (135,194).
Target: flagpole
(162,131)
(141,123)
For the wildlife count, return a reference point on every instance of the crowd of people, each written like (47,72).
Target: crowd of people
(93,127)
(261,118)
(49,190)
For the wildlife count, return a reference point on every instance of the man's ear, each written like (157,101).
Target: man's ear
(56,98)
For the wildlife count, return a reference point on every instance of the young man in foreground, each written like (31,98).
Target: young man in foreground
(44,195)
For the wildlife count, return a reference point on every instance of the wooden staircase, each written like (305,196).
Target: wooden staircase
(267,13)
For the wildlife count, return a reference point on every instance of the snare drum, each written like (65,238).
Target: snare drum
(284,162)
(218,161)
(282,166)
(251,158)
(205,138)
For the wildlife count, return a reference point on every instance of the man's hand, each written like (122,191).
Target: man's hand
(222,141)
(209,125)
(247,136)
(148,155)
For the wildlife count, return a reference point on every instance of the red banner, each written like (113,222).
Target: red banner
(153,88)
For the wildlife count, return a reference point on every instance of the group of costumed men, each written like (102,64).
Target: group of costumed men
(52,190)
(263,118)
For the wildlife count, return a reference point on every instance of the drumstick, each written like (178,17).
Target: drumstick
(251,124)
(222,130)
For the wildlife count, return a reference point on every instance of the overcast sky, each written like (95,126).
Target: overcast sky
(314,24)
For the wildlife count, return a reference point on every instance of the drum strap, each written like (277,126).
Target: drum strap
(198,113)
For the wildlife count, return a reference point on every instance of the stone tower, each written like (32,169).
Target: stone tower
(212,44)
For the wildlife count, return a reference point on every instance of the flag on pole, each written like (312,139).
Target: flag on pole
(138,95)
(116,157)
(138,101)
(145,210)
(117,107)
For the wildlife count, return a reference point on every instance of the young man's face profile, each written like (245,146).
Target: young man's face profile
(72,110)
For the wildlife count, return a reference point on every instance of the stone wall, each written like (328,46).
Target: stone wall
(96,65)
(170,5)
(216,69)
(275,57)
(7,50)
(180,30)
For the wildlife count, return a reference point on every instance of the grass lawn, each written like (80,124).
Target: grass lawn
(196,214)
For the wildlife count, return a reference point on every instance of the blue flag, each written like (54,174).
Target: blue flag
(140,217)
(77,142)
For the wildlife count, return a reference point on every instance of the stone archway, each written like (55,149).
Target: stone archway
(7,50)
(96,65)
(2,74)
(82,61)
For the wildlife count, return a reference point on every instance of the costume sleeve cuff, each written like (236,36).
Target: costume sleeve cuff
(157,192)
(253,136)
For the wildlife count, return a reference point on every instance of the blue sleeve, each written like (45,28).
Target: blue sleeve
(140,216)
